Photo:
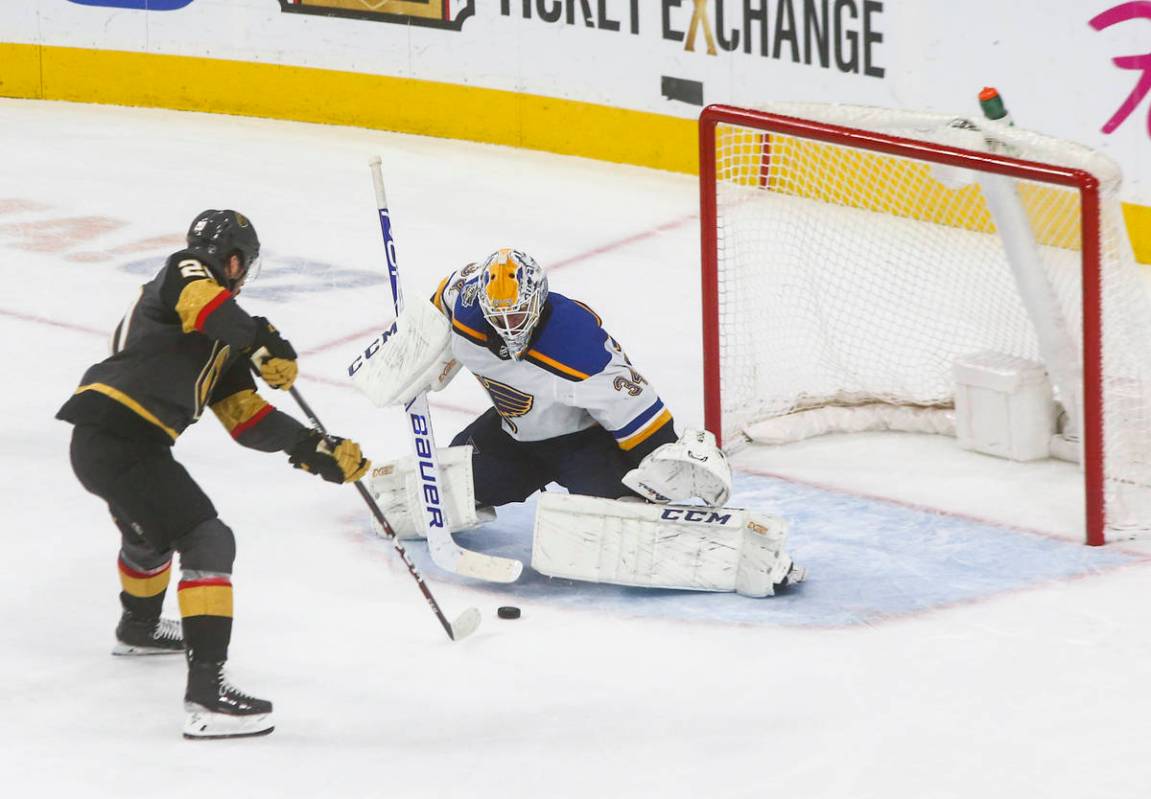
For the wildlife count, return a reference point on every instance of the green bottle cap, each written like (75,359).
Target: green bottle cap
(992,104)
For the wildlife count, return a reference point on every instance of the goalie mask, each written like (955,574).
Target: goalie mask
(218,235)
(513,290)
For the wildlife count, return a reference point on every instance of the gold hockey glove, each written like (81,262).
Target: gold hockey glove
(342,462)
(273,356)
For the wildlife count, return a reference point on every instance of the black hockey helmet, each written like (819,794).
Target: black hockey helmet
(221,234)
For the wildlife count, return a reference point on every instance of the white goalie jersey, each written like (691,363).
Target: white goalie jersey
(572,376)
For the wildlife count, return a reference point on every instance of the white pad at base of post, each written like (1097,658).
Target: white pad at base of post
(1004,406)
(411,357)
(399,488)
(660,546)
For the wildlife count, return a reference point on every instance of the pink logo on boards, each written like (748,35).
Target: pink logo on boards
(1138,9)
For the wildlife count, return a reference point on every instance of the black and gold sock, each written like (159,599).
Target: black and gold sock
(206,608)
(142,591)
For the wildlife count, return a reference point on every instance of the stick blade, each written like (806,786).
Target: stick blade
(488,567)
(451,557)
(466,624)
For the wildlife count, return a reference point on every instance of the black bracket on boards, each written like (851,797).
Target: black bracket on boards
(681,89)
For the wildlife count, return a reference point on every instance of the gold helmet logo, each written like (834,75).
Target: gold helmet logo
(501,283)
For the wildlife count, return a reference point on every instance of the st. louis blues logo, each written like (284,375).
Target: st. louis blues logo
(509,402)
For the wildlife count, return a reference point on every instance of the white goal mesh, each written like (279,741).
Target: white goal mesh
(848,278)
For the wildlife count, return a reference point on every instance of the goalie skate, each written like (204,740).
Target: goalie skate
(796,574)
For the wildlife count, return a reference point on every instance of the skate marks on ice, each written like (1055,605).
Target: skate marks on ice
(868,561)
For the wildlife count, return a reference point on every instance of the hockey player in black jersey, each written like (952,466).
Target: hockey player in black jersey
(184,346)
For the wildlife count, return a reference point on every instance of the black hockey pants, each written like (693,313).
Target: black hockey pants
(153,499)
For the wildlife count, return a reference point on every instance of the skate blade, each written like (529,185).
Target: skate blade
(206,725)
(122,649)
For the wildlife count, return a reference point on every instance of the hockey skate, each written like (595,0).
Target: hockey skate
(796,574)
(217,709)
(148,636)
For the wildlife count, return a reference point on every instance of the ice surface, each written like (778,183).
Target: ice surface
(870,560)
(929,655)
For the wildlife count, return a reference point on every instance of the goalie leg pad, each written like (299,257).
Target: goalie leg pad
(659,546)
(398,488)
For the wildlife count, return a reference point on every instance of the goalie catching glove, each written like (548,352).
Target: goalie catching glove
(691,467)
(413,356)
(273,356)
(338,462)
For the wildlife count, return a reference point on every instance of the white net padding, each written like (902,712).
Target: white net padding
(849,281)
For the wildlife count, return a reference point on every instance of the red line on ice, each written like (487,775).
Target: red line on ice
(23,317)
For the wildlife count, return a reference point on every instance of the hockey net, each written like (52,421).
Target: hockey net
(851,255)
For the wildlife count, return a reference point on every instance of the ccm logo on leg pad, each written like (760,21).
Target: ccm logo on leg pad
(690,515)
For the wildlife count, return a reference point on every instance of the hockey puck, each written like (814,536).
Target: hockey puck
(508,612)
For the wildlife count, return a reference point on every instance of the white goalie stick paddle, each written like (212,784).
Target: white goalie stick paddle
(445,552)
(468,621)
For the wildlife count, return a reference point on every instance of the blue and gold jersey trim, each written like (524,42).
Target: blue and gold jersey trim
(470,333)
(598,320)
(571,342)
(555,367)
(438,297)
(643,427)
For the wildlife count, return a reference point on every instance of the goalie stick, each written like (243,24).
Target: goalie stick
(445,552)
(468,621)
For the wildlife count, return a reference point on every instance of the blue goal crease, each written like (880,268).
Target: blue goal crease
(868,561)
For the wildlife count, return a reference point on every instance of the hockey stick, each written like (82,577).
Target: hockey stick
(446,553)
(468,621)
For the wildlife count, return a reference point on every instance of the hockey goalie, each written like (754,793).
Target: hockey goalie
(568,408)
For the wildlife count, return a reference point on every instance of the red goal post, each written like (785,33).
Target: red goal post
(757,168)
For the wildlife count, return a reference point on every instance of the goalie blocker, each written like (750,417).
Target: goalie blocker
(662,546)
(410,357)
